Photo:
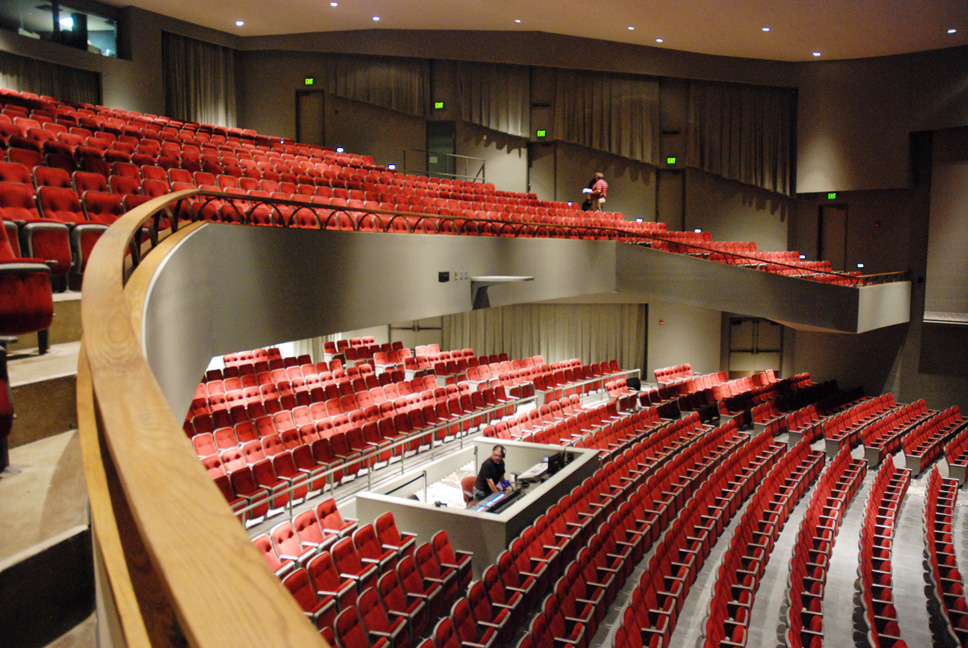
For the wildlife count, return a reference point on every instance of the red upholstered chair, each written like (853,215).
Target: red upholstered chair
(26,304)
(320,610)
(40,238)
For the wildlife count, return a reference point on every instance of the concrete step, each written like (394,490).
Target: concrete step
(46,568)
(44,392)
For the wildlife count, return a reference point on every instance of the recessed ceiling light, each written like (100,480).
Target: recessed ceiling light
(658,40)
(376,18)
(816,53)
(517,20)
(766,29)
(952,31)
(333,4)
(239,23)
(631,28)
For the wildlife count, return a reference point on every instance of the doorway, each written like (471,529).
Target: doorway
(832,235)
(311,117)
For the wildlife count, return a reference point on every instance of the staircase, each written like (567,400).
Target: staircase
(46,561)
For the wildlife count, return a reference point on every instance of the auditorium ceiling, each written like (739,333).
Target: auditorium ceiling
(797,30)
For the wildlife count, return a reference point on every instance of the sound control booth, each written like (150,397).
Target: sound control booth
(430,498)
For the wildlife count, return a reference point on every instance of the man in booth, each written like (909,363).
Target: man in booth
(490,475)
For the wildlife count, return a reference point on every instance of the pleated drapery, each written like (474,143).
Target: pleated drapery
(199,81)
(495,96)
(742,133)
(49,79)
(609,112)
(590,332)
(397,84)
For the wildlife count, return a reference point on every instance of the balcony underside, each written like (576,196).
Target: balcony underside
(226,288)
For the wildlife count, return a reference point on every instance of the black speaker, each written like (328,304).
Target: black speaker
(635,384)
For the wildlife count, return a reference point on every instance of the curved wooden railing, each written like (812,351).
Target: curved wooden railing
(179,568)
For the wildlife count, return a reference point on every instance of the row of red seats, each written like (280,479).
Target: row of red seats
(882,437)
(312,391)
(925,442)
(876,542)
(651,616)
(485,371)
(941,564)
(746,393)
(665,375)
(56,225)
(323,396)
(611,536)
(261,418)
(182,146)
(285,468)
(744,562)
(603,428)
(517,426)
(813,548)
(845,428)
(575,379)
(956,454)
(375,587)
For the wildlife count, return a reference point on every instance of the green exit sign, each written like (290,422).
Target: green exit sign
(541,133)
(438,105)
(309,81)
(671,161)
(832,195)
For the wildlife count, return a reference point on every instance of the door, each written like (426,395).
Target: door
(310,117)
(832,233)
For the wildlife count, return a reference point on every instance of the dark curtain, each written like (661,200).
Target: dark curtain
(199,80)
(402,85)
(742,133)
(608,112)
(495,96)
(42,78)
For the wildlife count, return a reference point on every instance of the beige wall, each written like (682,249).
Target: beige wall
(681,334)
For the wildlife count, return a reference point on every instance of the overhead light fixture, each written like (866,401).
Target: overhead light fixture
(392,166)
(658,40)
(239,23)
(766,29)
(952,31)
(376,19)
(816,53)
(860,265)
(517,20)
(339,149)
(631,28)
(333,4)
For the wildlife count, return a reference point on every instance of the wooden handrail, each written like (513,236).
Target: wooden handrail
(181,568)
